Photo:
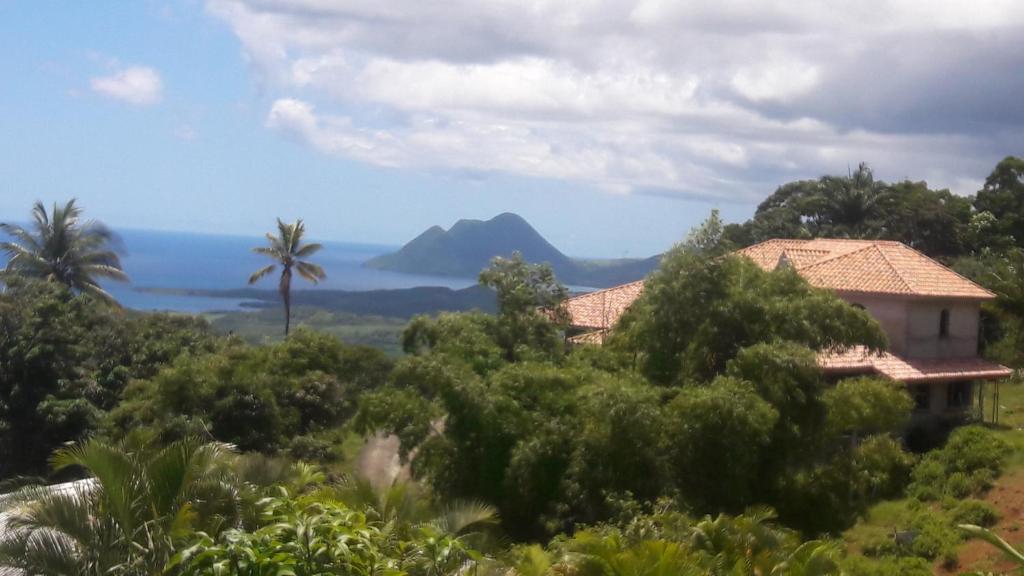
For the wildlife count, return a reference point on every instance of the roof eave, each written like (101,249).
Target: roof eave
(911,296)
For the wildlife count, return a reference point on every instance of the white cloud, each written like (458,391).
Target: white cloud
(136,85)
(722,98)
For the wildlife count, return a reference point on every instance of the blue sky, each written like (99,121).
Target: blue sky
(612,126)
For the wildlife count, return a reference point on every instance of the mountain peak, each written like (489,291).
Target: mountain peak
(469,246)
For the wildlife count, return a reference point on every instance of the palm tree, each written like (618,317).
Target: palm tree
(851,203)
(128,518)
(62,248)
(287,250)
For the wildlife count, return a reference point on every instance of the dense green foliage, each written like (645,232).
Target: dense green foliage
(309,536)
(937,222)
(64,362)
(552,440)
(264,398)
(697,312)
(967,465)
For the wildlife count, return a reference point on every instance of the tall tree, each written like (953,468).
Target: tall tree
(696,313)
(1003,197)
(850,205)
(288,251)
(525,290)
(936,222)
(60,247)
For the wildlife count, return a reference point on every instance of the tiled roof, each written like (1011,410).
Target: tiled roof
(859,360)
(870,266)
(601,309)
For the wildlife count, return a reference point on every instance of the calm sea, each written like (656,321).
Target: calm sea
(205,261)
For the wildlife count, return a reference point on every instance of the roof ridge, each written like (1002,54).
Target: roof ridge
(950,269)
(896,270)
(839,255)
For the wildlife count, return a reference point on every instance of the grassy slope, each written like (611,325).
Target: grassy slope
(1007,496)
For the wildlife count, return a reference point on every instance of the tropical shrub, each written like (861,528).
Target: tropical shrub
(966,465)
(977,512)
(127,517)
(305,537)
(258,398)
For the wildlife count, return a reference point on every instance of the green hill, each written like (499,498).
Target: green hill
(469,246)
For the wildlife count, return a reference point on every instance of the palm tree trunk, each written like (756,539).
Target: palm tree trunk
(287,313)
(286,295)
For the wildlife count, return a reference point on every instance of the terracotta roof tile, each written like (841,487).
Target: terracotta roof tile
(872,266)
(859,360)
(602,309)
(869,266)
(800,257)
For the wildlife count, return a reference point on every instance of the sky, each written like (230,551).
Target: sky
(613,126)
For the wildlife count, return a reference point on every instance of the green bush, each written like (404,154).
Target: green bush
(982,480)
(958,485)
(312,449)
(889,566)
(259,398)
(878,542)
(974,448)
(928,479)
(936,537)
(977,512)
(967,465)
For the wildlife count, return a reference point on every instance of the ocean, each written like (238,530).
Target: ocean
(206,261)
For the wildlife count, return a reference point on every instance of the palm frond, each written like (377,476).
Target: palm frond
(310,272)
(116,472)
(308,250)
(259,274)
(461,517)
(96,291)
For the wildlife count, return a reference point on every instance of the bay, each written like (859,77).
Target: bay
(178,260)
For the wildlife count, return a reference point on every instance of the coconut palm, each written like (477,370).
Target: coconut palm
(288,251)
(128,518)
(60,247)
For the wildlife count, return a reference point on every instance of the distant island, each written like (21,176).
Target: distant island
(469,246)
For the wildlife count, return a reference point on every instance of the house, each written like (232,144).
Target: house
(929,313)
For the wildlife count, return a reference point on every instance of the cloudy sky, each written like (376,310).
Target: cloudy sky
(612,125)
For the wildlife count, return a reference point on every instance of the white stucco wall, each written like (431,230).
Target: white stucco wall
(891,313)
(923,340)
(912,325)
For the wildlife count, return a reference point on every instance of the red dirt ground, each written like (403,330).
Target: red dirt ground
(1008,497)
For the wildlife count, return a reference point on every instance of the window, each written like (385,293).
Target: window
(958,394)
(922,397)
(944,324)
